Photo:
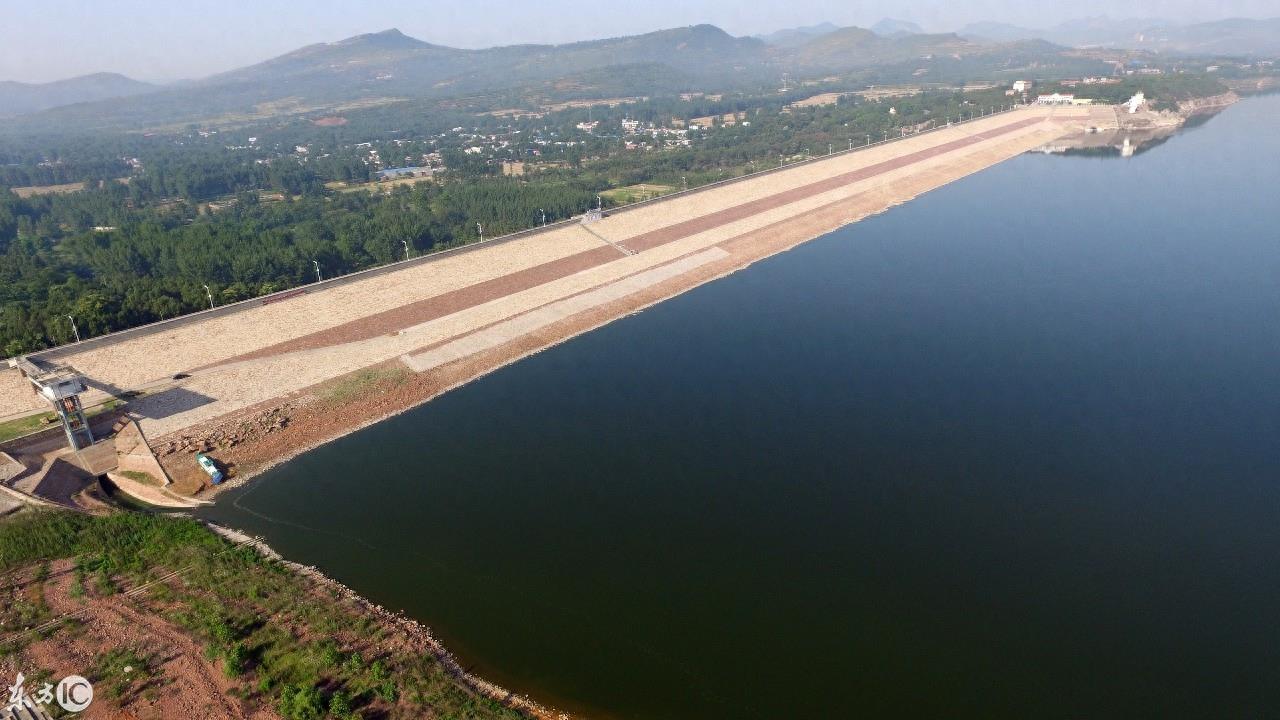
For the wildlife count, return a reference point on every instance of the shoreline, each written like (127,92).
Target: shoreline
(408,626)
(1135,132)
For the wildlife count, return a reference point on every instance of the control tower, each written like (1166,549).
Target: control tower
(61,385)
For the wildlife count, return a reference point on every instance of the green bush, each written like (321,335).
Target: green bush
(340,706)
(301,702)
(235,660)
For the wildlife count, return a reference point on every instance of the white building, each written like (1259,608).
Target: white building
(1055,99)
(1021,85)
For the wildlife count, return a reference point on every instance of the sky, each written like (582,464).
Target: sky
(165,40)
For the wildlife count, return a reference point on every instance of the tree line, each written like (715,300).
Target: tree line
(155,262)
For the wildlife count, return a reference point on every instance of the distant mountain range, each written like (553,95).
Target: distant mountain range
(1237,36)
(21,98)
(390,66)
(790,37)
(793,37)
(831,49)
(889,27)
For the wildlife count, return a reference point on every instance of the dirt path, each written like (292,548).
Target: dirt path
(182,684)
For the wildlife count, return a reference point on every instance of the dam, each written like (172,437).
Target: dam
(455,315)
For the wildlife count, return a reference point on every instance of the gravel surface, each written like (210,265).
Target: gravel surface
(16,394)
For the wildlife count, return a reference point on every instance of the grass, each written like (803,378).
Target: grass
(285,642)
(122,671)
(40,421)
(363,382)
(36,190)
(142,477)
(25,426)
(636,193)
(375,185)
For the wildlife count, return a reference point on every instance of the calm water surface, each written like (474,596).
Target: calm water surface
(1009,450)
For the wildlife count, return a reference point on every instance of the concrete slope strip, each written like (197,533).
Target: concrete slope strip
(506,331)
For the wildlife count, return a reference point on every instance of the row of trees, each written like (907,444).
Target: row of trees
(156,262)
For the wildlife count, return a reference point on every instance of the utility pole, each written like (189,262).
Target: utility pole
(317,264)
(208,294)
(73,328)
(406,249)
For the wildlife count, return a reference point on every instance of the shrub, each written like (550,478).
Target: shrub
(235,660)
(301,702)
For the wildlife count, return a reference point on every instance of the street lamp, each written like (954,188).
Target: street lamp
(850,143)
(406,249)
(73,328)
(830,148)
(209,294)
(544,217)
(480,229)
(684,181)
(868,138)
(317,264)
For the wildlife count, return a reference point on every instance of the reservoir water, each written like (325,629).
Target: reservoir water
(1009,450)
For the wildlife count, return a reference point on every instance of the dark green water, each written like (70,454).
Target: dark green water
(1009,450)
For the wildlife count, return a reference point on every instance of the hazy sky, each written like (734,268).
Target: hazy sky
(42,40)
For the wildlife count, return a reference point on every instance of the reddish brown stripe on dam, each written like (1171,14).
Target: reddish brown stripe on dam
(398,318)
